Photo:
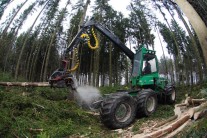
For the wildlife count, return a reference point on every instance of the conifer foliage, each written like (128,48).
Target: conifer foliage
(34,50)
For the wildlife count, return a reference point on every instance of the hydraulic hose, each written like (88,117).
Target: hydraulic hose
(77,61)
(89,45)
(88,38)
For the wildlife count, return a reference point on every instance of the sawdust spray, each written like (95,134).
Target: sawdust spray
(86,95)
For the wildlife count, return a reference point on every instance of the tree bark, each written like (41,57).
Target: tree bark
(171,127)
(25,40)
(178,57)
(7,27)
(85,7)
(166,67)
(197,23)
(195,48)
(166,121)
(199,114)
(110,64)
(25,84)
(190,101)
(52,40)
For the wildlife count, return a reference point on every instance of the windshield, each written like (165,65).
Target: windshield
(136,64)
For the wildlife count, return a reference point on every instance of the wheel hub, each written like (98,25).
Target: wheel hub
(150,104)
(123,112)
(173,95)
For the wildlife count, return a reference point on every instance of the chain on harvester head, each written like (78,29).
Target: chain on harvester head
(89,43)
(77,61)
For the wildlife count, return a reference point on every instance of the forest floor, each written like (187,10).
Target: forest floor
(46,112)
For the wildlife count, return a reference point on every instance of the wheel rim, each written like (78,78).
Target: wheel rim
(173,95)
(123,112)
(150,104)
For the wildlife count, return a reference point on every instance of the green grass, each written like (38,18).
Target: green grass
(47,109)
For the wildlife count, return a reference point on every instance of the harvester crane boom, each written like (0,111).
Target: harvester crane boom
(119,110)
(106,32)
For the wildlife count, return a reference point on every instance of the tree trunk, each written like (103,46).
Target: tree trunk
(7,27)
(27,36)
(34,62)
(52,40)
(91,68)
(29,60)
(25,84)
(22,48)
(72,61)
(9,47)
(110,64)
(85,7)
(97,63)
(80,62)
(43,62)
(195,48)
(127,72)
(94,69)
(172,72)
(178,57)
(3,8)
(35,56)
(166,68)
(197,23)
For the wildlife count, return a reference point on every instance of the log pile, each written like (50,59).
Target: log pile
(191,109)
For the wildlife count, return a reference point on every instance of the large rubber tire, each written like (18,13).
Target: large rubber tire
(118,111)
(146,103)
(171,98)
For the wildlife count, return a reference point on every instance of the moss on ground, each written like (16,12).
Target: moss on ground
(47,109)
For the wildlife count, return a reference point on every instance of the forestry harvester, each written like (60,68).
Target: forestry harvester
(119,110)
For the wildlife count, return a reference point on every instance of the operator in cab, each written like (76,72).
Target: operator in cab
(147,68)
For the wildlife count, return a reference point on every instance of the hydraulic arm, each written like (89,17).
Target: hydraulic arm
(106,32)
(62,77)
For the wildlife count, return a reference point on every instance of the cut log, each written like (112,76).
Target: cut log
(191,112)
(196,101)
(183,119)
(187,101)
(177,111)
(25,84)
(171,135)
(167,129)
(200,114)
(200,111)
(190,101)
(200,108)
(170,128)
(182,104)
(166,121)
